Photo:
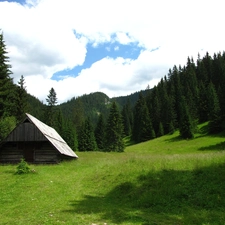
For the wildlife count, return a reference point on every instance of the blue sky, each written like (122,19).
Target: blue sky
(96,53)
(19,1)
(116,47)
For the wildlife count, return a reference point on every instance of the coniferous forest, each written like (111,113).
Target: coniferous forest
(186,96)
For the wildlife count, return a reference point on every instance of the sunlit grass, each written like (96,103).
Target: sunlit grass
(164,181)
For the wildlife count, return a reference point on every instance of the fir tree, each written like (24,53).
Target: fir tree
(160,130)
(142,128)
(69,135)
(186,124)
(86,137)
(127,118)
(114,130)
(100,133)
(21,99)
(214,110)
(7,88)
(51,108)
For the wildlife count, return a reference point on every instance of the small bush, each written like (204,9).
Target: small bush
(22,167)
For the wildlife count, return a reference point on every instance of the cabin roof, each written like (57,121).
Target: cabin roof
(51,134)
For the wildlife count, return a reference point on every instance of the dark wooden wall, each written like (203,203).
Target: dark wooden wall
(33,152)
(26,132)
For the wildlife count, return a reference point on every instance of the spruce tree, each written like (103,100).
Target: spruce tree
(214,110)
(160,130)
(86,137)
(142,127)
(186,125)
(50,112)
(21,99)
(100,133)
(114,130)
(69,135)
(127,118)
(7,88)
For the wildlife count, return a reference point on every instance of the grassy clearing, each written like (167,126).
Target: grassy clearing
(163,181)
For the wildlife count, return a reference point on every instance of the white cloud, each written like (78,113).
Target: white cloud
(40,40)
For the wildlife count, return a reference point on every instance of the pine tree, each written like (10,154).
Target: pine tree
(160,130)
(100,133)
(86,137)
(51,108)
(59,121)
(214,110)
(203,103)
(7,88)
(127,118)
(21,99)
(142,128)
(186,125)
(114,130)
(69,135)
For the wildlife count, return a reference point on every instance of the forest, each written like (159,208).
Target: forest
(186,96)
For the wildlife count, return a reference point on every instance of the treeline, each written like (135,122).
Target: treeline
(183,98)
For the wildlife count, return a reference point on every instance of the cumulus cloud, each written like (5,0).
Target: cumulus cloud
(46,36)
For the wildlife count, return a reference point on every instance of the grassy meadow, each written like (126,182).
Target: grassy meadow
(164,181)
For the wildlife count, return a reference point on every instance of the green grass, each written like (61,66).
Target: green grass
(164,181)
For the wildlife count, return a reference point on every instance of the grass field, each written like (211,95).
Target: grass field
(164,181)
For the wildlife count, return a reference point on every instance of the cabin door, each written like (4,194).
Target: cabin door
(29,151)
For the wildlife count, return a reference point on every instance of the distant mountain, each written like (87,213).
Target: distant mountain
(91,105)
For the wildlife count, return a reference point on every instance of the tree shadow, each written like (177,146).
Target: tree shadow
(174,139)
(166,197)
(216,147)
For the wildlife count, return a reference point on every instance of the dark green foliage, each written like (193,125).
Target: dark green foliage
(21,99)
(22,167)
(203,106)
(86,137)
(7,124)
(142,128)
(7,89)
(127,118)
(171,128)
(50,111)
(100,133)
(214,110)
(69,135)
(114,130)
(186,124)
(160,130)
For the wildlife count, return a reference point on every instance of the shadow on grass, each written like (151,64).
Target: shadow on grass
(174,139)
(166,197)
(216,147)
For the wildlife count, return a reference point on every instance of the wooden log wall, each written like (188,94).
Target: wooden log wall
(26,132)
(46,154)
(10,153)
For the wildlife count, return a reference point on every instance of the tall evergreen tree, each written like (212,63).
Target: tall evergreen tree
(70,135)
(100,133)
(86,137)
(214,110)
(142,128)
(114,130)
(127,118)
(203,103)
(50,113)
(186,125)
(21,99)
(6,84)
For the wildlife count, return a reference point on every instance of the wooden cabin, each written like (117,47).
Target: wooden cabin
(36,142)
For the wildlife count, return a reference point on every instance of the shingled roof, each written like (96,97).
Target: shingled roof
(51,134)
